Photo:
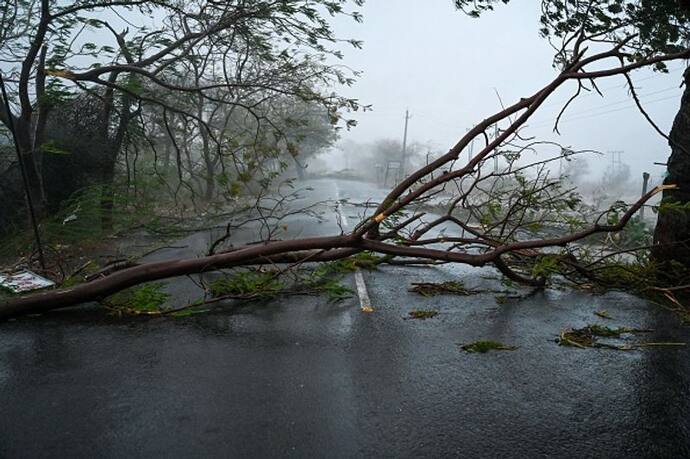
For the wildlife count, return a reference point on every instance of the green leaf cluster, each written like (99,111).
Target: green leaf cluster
(657,26)
(251,284)
(149,298)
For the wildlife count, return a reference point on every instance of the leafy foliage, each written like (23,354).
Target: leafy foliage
(326,277)
(588,337)
(363,260)
(147,299)
(79,221)
(485,346)
(422,314)
(545,266)
(671,206)
(432,289)
(653,26)
(206,93)
(251,284)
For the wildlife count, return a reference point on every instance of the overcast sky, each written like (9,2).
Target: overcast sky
(446,68)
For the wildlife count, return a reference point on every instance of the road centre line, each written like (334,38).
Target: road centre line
(362,293)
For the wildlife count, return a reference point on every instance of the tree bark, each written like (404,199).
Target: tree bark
(101,288)
(672,233)
(33,173)
(210,188)
(299,168)
(425,181)
(107,196)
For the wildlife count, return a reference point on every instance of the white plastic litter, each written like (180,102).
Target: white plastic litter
(69,218)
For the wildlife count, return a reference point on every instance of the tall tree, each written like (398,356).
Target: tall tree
(258,47)
(497,213)
(639,28)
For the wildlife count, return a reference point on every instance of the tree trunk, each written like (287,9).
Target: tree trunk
(210,189)
(33,173)
(107,196)
(672,233)
(299,168)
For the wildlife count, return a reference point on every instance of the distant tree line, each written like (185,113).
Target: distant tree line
(186,102)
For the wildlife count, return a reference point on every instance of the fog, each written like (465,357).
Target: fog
(447,69)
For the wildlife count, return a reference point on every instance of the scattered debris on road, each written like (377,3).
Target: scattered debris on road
(432,289)
(421,314)
(604,314)
(483,347)
(501,299)
(591,337)
(146,300)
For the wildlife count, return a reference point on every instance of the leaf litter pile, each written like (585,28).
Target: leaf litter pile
(591,336)
(604,314)
(422,314)
(429,289)
(483,347)
(599,336)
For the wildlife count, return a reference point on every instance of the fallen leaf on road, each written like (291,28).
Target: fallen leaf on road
(589,337)
(604,314)
(486,346)
(422,314)
(433,288)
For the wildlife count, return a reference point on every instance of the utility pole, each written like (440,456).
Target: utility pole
(470,149)
(25,180)
(496,157)
(404,146)
(616,163)
(645,183)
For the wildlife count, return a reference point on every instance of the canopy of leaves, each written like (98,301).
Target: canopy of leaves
(198,92)
(652,26)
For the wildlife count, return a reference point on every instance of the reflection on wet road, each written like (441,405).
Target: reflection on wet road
(302,377)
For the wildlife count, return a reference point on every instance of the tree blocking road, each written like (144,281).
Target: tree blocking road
(646,28)
(496,212)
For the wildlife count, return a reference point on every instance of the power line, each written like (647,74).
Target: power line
(575,114)
(390,110)
(404,146)
(588,112)
(577,117)
(627,100)
(604,90)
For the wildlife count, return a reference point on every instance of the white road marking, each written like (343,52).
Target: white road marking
(362,293)
(364,301)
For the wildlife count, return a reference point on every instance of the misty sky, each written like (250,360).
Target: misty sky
(444,66)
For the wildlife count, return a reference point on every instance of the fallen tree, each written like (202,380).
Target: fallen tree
(658,26)
(496,213)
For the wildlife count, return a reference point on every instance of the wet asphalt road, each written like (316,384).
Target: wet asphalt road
(306,378)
